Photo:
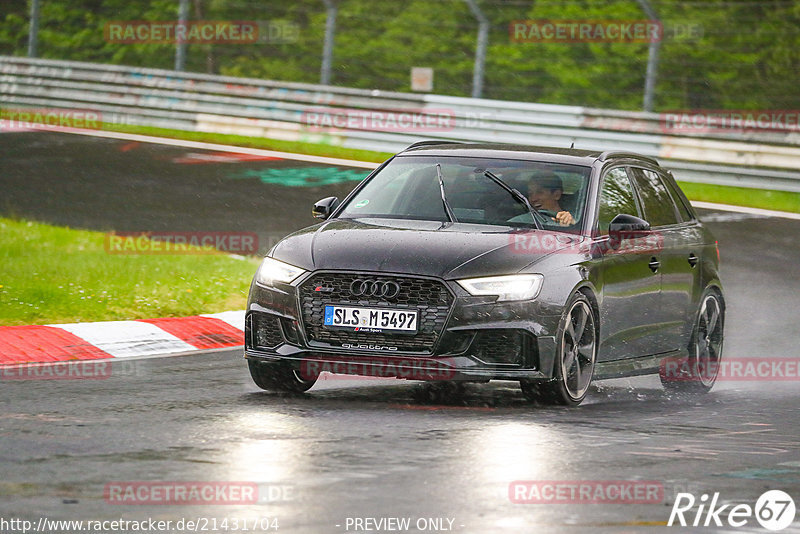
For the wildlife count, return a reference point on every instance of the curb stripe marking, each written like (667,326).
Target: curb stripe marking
(201,332)
(128,338)
(233,318)
(25,344)
(194,158)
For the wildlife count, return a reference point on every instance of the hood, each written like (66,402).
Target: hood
(430,248)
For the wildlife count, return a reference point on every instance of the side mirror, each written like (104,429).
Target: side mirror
(323,208)
(624,225)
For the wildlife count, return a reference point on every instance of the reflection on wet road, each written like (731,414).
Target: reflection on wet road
(356,448)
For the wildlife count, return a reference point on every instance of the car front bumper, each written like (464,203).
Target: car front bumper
(473,338)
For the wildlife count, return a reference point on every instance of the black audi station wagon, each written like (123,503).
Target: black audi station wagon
(478,262)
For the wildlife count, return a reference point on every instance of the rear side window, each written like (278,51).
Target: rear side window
(616,197)
(659,208)
(679,198)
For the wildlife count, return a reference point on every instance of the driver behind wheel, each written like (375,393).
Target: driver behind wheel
(544,193)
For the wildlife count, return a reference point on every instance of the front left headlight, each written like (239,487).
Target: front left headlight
(272,270)
(511,287)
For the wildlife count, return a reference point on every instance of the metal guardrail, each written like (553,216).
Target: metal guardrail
(200,102)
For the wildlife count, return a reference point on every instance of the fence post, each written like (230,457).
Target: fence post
(180,44)
(33,32)
(652,58)
(327,49)
(480,48)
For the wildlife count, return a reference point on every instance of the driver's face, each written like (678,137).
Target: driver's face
(543,198)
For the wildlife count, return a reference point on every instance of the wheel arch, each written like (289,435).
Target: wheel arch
(716,286)
(588,290)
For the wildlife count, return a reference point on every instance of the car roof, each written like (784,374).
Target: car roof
(521,152)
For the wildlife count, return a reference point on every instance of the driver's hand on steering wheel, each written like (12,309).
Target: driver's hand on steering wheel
(564,218)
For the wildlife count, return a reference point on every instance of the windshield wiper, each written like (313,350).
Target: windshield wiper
(447,209)
(519,196)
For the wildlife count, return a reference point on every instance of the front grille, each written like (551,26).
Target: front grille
(430,297)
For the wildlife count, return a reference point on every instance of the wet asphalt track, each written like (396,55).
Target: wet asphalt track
(360,448)
(108,184)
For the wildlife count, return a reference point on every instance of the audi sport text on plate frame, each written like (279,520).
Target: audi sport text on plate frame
(371,319)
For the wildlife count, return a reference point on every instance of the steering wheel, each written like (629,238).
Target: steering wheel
(547,213)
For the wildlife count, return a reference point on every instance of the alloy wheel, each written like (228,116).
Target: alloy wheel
(708,341)
(578,350)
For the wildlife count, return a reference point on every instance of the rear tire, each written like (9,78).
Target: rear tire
(576,355)
(278,376)
(698,372)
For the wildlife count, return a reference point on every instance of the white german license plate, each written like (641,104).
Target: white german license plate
(371,319)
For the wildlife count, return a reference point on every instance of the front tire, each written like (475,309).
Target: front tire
(277,376)
(575,357)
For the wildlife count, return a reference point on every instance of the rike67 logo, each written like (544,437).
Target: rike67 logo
(774,510)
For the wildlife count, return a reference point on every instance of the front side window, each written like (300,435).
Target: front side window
(659,209)
(616,197)
(408,188)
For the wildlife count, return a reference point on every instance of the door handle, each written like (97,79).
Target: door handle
(693,259)
(654,264)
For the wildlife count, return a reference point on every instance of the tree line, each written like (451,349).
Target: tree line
(714,54)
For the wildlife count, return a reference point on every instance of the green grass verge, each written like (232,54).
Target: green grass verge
(743,196)
(53,274)
(737,196)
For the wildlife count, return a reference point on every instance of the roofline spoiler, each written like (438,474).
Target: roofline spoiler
(431,143)
(622,154)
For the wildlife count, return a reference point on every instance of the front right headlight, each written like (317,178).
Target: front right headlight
(511,287)
(272,270)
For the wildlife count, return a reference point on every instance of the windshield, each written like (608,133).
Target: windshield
(408,188)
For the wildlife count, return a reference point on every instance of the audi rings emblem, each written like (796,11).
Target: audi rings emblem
(387,289)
